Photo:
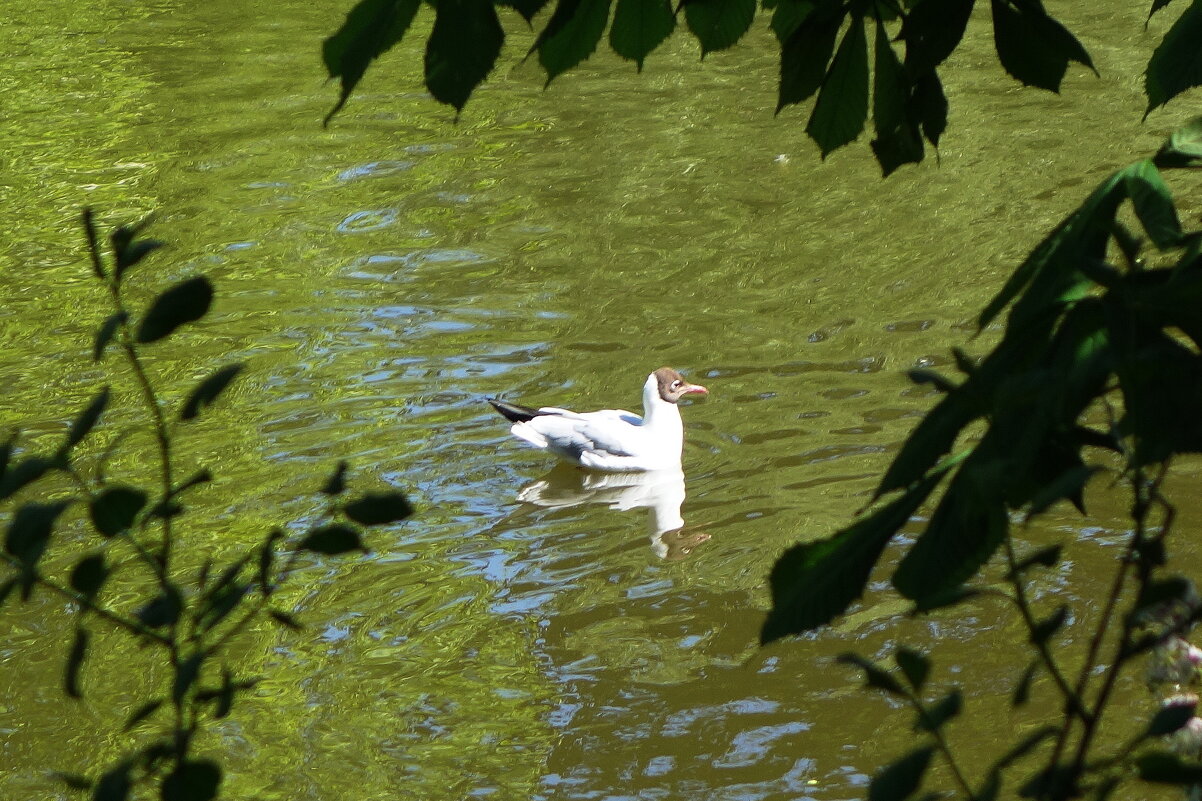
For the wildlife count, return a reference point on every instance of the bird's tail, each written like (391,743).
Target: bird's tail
(513,412)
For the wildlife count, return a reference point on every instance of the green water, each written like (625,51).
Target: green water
(383,276)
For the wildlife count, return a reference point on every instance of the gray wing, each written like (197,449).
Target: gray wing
(612,431)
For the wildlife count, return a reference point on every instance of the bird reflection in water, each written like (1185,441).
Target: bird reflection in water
(660,492)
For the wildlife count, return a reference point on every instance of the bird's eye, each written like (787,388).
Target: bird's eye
(676,385)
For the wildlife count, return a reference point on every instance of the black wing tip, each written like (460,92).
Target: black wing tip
(513,412)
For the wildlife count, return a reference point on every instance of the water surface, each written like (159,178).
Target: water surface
(383,276)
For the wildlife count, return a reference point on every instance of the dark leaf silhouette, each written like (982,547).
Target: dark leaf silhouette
(914,665)
(207,391)
(89,575)
(571,34)
(115,509)
(377,509)
(900,780)
(79,649)
(87,419)
(106,332)
(183,303)
(1176,65)
(462,49)
(337,481)
(1033,47)
(718,24)
(842,105)
(332,539)
(639,27)
(194,780)
(371,29)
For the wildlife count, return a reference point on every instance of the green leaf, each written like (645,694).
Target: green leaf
(804,56)
(86,420)
(332,539)
(462,49)
(115,510)
(571,35)
(377,509)
(163,610)
(1022,690)
(266,557)
(194,780)
(29,530)
(186,673)
(220,602)
(815,581)
(134,252)
(1176,64)
(1025,746)
(6,452)
(127,249)
(79,649)
(142,713)
(284,619)
(73,780)
(1053,267)
(89,575)
(225,697)
(787,17)
(1183,148)
(202,476)
(27,471)
(207,391)
(115,784)
(964,531)
(900,780)
(1170,718)
(718,24)
(914,665)
(1044,629)
(1068,485)
(842,105)
(639,27)
(1167,590)
(1165,768)
(337,481)
(89,228)
(944,598)
(1161,382)
(874,675)
(7,587)
(931,31)
(527,8)
(1153,204)
(940,382)
(185,302)
(1034,48)
(371,28)
(1048,557)
(105,333)
(933,718)
(897,139)
(166,509)
(1157,5)
(929,104)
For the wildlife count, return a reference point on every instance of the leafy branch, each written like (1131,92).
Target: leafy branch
(1094,325)
(190,617)
(911,41)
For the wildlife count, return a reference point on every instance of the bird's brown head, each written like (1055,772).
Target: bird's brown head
(673,387)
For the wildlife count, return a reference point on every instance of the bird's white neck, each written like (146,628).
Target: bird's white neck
(657,412)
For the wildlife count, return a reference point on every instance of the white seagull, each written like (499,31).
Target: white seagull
(612,440)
